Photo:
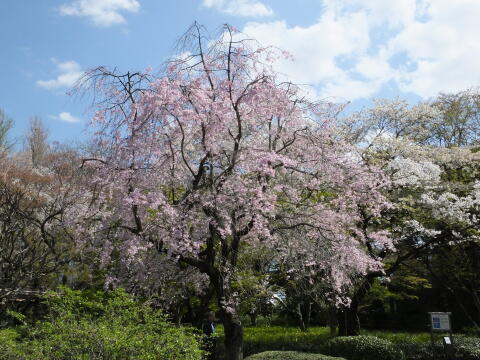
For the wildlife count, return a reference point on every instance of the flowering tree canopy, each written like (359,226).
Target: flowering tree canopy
(215,155)
(434,183)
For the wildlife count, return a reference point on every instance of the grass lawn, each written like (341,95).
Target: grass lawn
(267,338)
(320,334)
(286,334)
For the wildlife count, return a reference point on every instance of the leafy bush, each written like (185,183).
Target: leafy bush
(8,344)
(100,325)
(290,355)
(363,348)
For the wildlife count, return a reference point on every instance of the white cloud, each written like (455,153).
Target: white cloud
(246,8)
(392,13)
(317,51)
(100,12)
(357,47)
(69,73)
(445,48)
(66,117)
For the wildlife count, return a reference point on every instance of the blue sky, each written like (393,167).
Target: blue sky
(344,49)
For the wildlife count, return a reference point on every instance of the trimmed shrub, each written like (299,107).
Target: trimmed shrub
(464,348)
(419,351)
(467,348)
(399,337)
(363,348)
(290,355)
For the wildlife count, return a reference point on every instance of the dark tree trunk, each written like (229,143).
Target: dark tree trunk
(301,321)
(203,308)
(232,326)
(348,321)
(233,336)
(177,318)
(476,301)
(308,313)
(253,319)
(332,321)
(190,316)
(303,312)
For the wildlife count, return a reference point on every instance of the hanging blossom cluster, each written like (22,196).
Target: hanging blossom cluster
(215,155)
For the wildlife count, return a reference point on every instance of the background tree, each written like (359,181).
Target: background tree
(34,246)
(6,124)
(424,175)
(459,118)
(36,139)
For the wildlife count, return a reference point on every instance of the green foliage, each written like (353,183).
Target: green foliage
(463,175)
(363,348)
(253,282)
(99,325)
(290,355)
(21,318)
(8,344)
(390,302)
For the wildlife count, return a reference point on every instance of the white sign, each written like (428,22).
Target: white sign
(440,321)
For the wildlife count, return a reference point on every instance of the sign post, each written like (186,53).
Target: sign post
(441,322)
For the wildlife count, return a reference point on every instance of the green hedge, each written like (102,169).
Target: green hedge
(399,337)
(290,355)
(363,348)
(464,348)
(419,351)
(467,348)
